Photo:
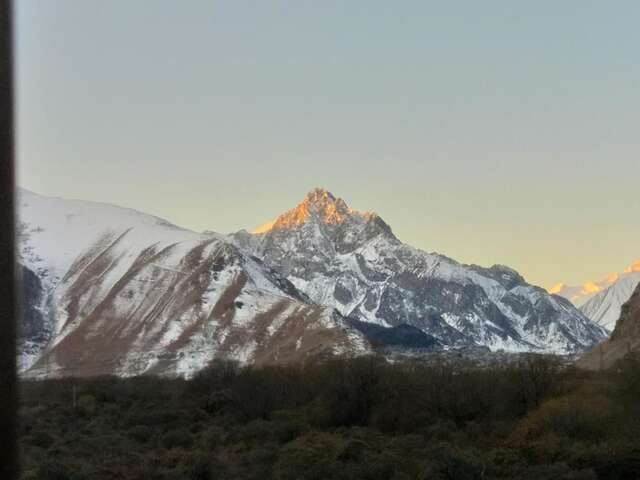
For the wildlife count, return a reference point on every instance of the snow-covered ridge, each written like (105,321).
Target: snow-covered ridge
(118,291)
(602,300)
(354,263)
(52,231)
(605,307)
(580,294)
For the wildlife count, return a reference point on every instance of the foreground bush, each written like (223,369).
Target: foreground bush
(579,416)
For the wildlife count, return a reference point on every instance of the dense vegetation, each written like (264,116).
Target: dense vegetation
(340,419)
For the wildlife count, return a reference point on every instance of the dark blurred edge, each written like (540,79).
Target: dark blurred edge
(8,390)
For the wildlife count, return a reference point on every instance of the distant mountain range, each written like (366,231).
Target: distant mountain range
(113,290)
(601,301)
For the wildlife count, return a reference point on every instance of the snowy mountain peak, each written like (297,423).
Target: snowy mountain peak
(352,262)
(320,194)
(581,294)
(602,300)
(323,208)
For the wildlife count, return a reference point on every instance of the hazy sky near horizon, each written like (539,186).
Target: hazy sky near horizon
(493,132)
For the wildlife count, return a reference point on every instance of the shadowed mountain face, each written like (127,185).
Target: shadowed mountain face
(352,261)
(624,339)
(34,327)
(398,336)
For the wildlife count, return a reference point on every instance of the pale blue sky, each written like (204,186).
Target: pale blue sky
(491,131)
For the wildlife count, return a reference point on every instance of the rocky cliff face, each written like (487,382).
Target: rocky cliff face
(352,261)
(624,339)
(35,326)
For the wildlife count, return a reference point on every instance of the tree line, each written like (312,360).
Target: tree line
(358,418)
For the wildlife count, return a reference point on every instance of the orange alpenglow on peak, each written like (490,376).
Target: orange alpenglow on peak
(319,203)
(613,278)
(634,267)
(264,228)
(580,294)
(557,288)
(591,287)
(318,194)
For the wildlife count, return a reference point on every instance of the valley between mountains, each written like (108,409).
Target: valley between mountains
(109,290)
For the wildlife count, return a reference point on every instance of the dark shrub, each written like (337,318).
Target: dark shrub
(51,469)
(257,392)
(203,467)
(555,471)
(153,415)
(41,439)
(177,438)
(219,375)
(578,416)
(141,433)
(620,467)
(451,463)
(87,405)
(350,391)
(310,457)
(627,377)
(218,400)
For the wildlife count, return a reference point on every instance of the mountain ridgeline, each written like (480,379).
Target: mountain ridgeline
(352,262)
(109,290)
(602,301)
